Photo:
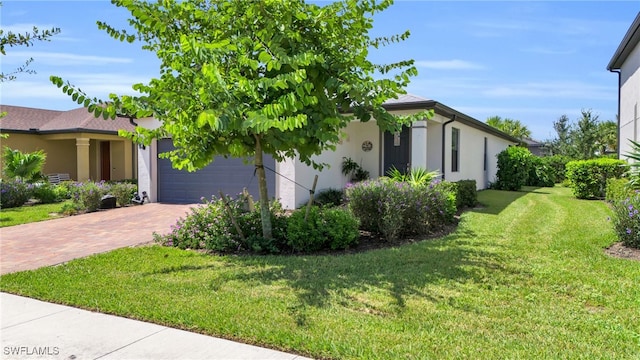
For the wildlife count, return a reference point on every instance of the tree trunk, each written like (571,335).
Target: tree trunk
(265,214)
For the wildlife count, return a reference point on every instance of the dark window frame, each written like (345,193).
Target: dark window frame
(455,149)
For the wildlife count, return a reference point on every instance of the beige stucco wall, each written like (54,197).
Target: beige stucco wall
(61,154)
(629,99)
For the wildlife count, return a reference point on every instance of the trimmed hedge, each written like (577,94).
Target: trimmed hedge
(513,168)
(466,193)
(589,177)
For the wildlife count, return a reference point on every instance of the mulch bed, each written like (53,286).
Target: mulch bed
(621,251)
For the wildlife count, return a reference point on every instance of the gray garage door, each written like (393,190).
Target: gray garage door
(227,175)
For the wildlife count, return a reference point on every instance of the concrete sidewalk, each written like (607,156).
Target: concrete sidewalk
(32,329)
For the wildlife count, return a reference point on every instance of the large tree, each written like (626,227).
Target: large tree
(584,135)
(243,78)
(512,127)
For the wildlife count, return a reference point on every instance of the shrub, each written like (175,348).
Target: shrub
(87,195)
(394,209)
(540,174)
(634,170)
(13,193)
(354,170)
(617,189)
(25,166)
(64,190)
(466,193)
(123,192)
(324,228)
(46,193)
(589,177)
(416,177)
(626,220)
(513,168)
(556,165)
(209,226)
(329,197)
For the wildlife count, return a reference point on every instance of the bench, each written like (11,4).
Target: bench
(57,178)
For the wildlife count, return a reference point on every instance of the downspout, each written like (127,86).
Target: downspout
(134,151)
(618,71)
(453,118)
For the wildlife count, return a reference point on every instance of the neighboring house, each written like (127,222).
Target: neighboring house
(76,143)
(537,148)
(626,62)
(457,145)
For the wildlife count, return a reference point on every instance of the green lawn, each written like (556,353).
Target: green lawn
(29,213)
(523,277)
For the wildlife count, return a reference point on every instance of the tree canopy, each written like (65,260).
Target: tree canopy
(242,78)
(512,127)
(587,138)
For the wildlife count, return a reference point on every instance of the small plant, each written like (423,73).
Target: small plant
(354,170)
(13,193)
(626,220)
(46,193)
(123,192)
(323,228)
(329,197)
(87,195)
(634,170)
(24,166)
(466,193)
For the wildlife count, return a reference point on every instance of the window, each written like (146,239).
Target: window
(485,154)
(455,149)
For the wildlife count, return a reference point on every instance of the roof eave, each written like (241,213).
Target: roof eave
(628,43)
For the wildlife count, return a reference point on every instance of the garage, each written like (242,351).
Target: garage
(229,175)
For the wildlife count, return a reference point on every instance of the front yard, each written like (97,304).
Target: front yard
(523,277)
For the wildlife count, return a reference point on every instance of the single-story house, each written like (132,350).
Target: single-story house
(536,147)
(76,143)
(626,62)
(455,144)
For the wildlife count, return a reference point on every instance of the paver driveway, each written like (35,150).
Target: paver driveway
(30,246)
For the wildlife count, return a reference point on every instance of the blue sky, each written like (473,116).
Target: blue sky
(528,60)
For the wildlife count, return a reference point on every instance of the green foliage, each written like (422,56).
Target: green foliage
(626,219)
(415,177)
(589,177)
(466,193)
(540,174)
(24,166)
(394,209)
(634,170)
(123,192)
(329,197)
(514,164)
(13,193)
(556,165)
(46,193)
(253,77)
(512,127)
(210,226)
(354,170)
(587,138)
(617,189)
(87,195)
(323,228)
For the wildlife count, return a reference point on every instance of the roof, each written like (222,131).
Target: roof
(24,119)
(628,43)
(413,102)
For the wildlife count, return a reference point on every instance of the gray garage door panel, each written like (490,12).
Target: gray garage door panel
(227,175)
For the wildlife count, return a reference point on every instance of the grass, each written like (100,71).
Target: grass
(523,277)
(29,213)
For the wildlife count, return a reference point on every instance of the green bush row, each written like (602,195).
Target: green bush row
(588,178)
(210,226)
(395,209)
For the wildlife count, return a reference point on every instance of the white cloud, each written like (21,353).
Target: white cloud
(548,51)
(454,64)
(63,59)
(551,89)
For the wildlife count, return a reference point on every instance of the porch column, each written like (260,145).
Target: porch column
(419,144)
(82,158)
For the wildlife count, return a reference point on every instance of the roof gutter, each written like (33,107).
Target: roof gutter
(444,133)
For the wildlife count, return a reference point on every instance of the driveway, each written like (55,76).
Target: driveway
(46,243)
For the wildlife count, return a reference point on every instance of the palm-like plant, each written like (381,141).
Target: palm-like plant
(24,166)
(634,172)
(512,127)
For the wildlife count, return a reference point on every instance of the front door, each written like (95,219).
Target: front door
(105,161)
(397,150)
